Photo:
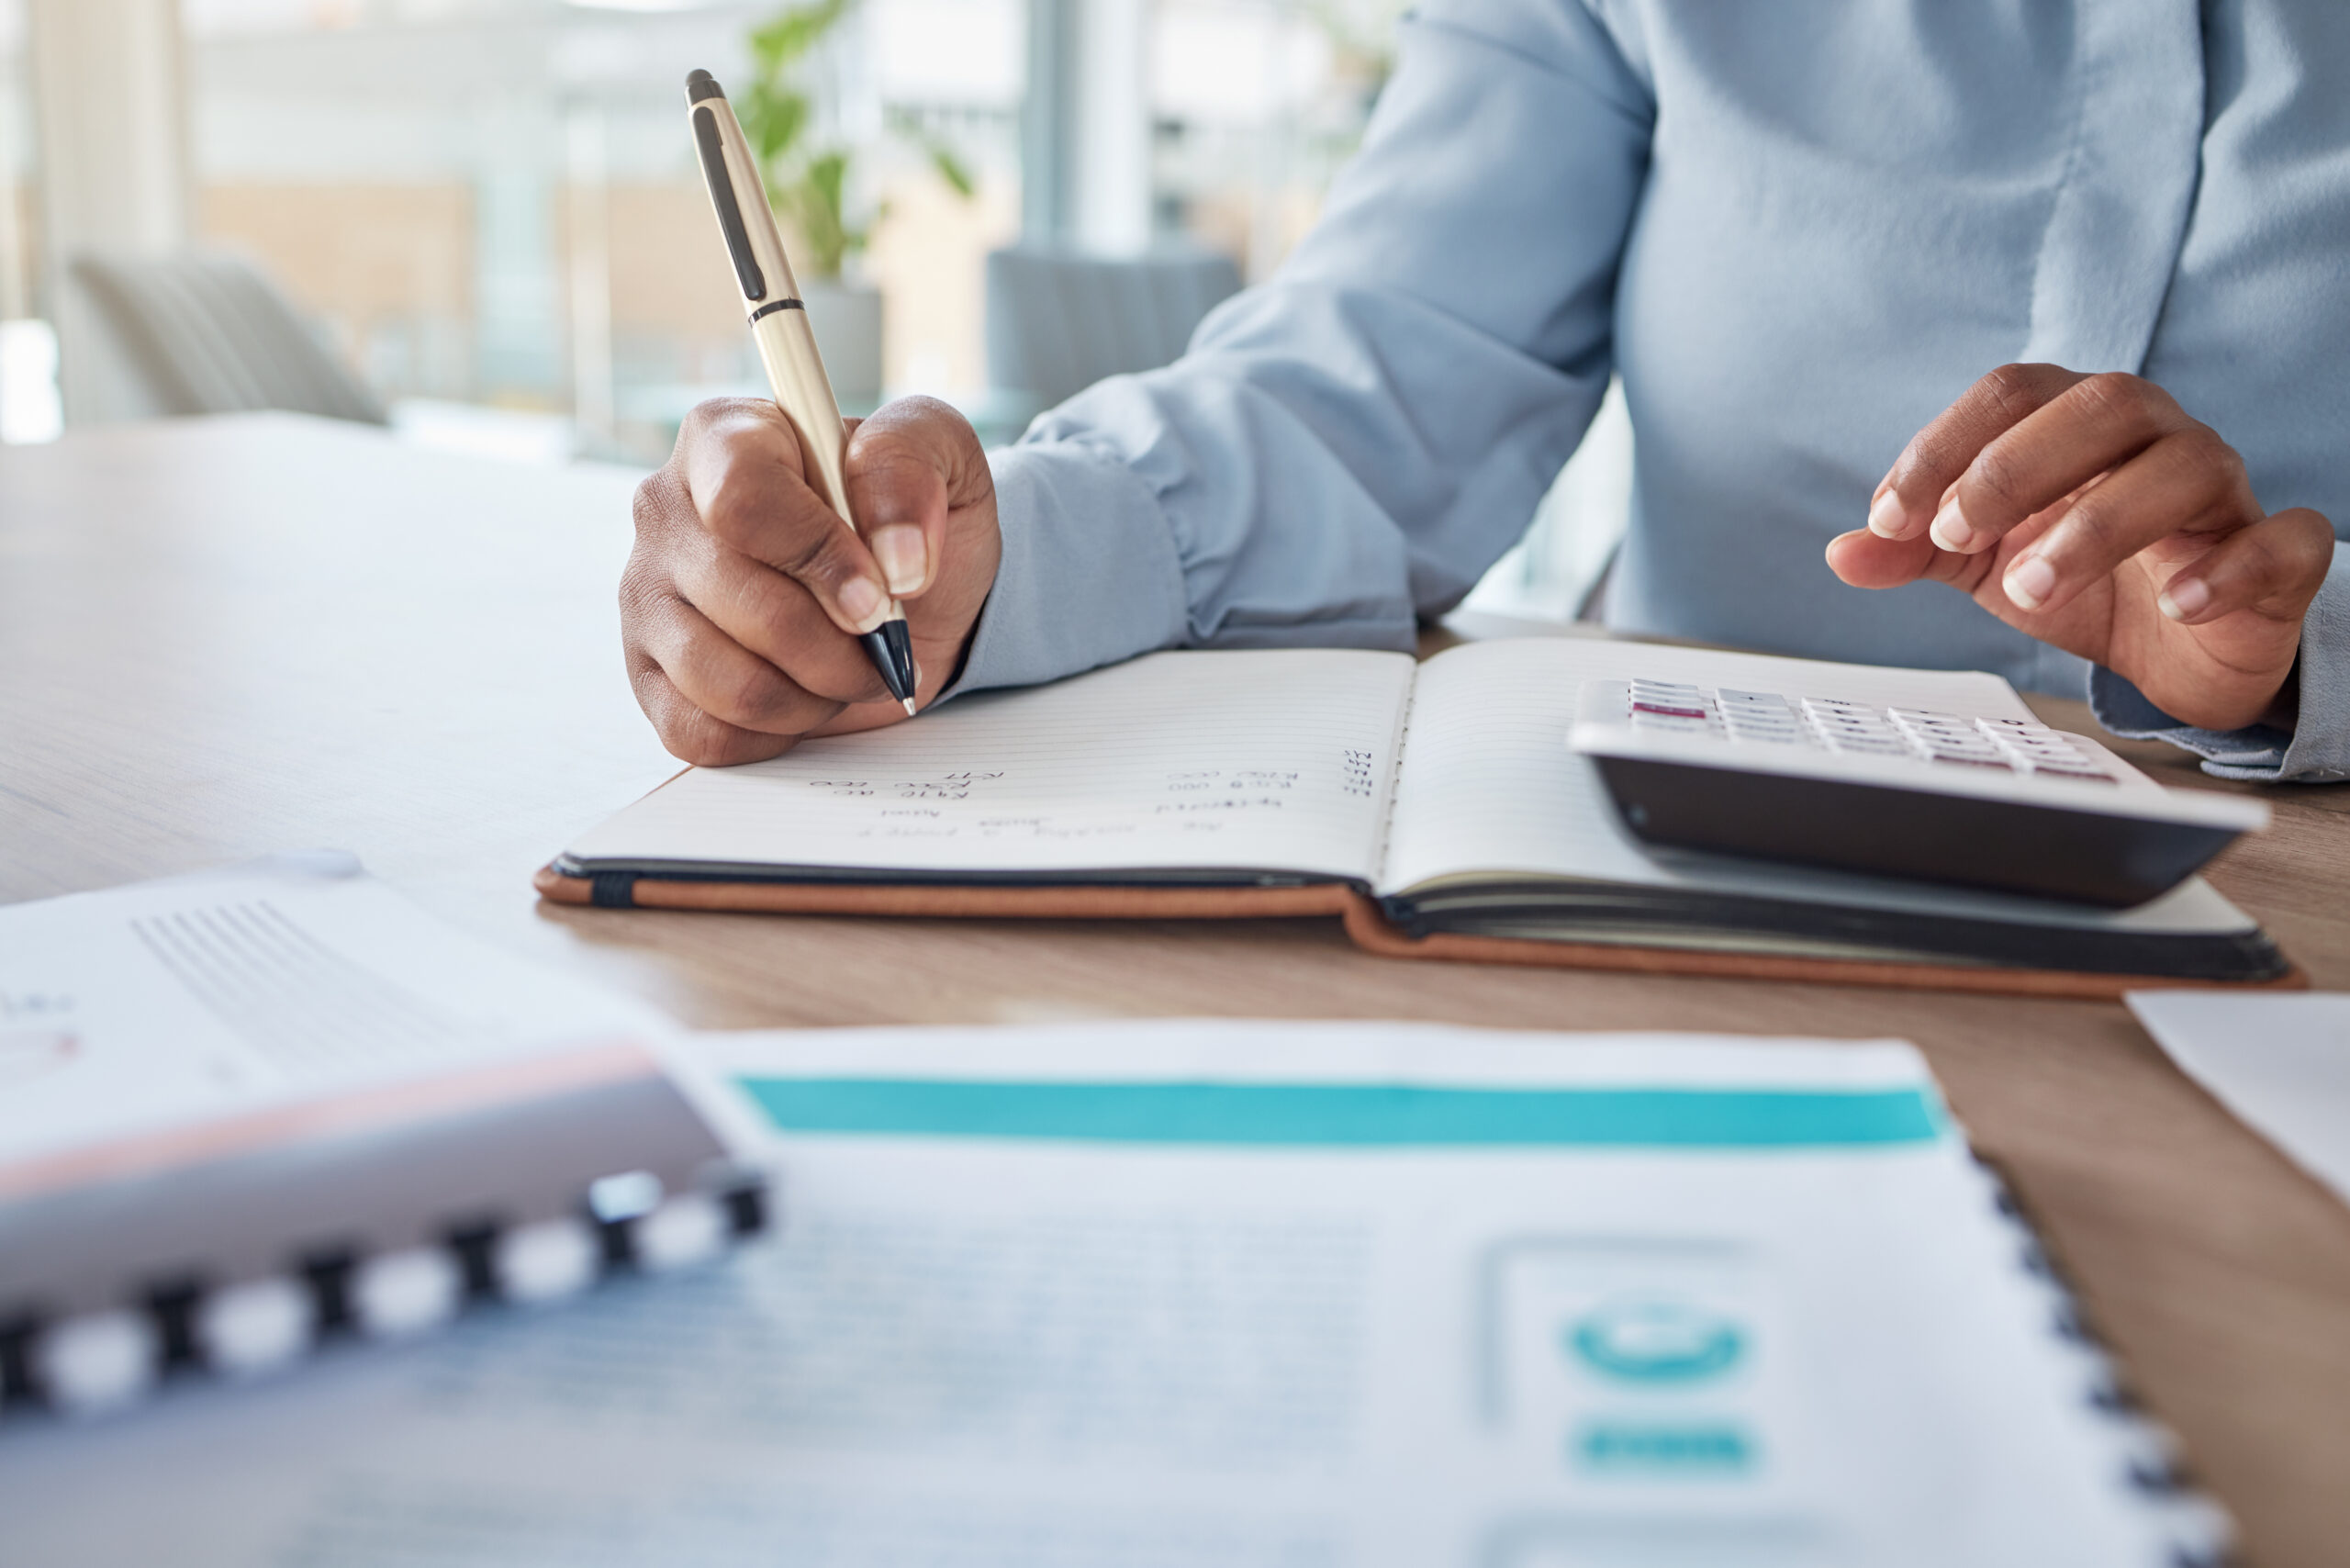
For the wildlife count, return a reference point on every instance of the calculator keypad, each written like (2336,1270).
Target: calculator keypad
(1841,727)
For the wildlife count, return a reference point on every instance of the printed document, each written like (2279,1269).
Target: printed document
(2280,1061)
(1216,1293)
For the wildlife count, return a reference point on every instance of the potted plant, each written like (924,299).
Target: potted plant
(808,185)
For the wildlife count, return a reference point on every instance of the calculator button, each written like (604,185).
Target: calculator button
(1659,707)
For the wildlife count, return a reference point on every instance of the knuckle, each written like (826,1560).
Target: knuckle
(635,594)
(702,741)
(2020,388)
(2129,403)
(1930,460)
(2093,530)
(819,553)
(750,694)
(690,740)
(922,406)
(2313,559)
(686,732)
(747,485)
(649,611)
(2315,537)
(913,412)
(2211,453)
(2115,390)
(715,417)
(1996,475)
(655,502)
(2257,564)
(732,509)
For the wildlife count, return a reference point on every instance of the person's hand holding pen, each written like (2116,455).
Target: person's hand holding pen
(741,602)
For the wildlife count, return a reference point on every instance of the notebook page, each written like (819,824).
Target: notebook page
(1275,760)
(1488,786)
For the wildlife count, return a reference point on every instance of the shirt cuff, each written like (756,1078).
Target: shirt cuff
(2315,751)
(1089,575)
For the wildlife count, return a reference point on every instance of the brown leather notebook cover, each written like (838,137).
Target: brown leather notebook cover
(1363,924)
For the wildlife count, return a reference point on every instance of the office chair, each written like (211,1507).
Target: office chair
(1058,321)
(207,332)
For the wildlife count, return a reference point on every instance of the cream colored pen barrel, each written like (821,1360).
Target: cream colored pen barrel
(795,371)
(780,324)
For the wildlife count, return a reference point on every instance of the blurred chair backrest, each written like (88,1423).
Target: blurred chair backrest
(1058,321)
(207,333)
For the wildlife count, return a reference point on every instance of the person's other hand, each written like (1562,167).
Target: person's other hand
(2093,513)
(742,602)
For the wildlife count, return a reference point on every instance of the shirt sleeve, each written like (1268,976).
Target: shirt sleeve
(1347,447)
(2316,749)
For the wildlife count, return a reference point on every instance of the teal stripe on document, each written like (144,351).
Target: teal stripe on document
(1347,1115)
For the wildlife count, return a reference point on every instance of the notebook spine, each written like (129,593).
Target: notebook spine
(2195,1529)
(183,1330)
(1394,784)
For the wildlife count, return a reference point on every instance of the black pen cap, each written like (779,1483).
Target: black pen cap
(701,85)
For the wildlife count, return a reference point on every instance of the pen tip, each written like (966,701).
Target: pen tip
(910,706)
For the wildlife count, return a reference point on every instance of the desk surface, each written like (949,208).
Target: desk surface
(223,638)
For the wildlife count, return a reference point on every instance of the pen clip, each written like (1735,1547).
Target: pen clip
(722,197)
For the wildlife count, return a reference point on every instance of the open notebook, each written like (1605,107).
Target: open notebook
(1436,806)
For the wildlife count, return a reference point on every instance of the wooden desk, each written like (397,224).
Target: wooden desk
(223,638)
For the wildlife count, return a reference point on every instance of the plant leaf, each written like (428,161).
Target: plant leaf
(773,117)
(953,171)
(792,32)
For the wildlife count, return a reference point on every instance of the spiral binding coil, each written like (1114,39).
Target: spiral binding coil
(189,1329)
(2197,1531)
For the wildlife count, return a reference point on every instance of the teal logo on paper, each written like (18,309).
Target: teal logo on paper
(1656,1342)
(1659,1448)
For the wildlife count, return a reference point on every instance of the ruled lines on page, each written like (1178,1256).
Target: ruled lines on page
(1273,760)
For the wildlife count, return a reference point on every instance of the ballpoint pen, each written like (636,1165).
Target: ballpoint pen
(786,347)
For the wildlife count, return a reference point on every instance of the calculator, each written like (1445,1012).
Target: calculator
(2007,804)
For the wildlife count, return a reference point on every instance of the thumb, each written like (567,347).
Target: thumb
(900,470)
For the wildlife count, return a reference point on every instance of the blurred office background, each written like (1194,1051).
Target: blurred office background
(480,222)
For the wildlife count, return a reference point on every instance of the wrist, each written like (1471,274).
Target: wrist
(2284,711)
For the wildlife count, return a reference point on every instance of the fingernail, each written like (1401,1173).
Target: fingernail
(904,561)
(2030,581)
(1887,516)
(2184,597)
(862,601)
(1950,529)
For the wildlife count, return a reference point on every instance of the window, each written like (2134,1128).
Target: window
(1255,103)
(493,204)
(29,409)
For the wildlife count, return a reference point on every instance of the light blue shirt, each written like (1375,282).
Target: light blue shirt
(1798,230)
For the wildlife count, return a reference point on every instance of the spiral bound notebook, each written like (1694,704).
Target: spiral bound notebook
(1229,1294)
(252,1115)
